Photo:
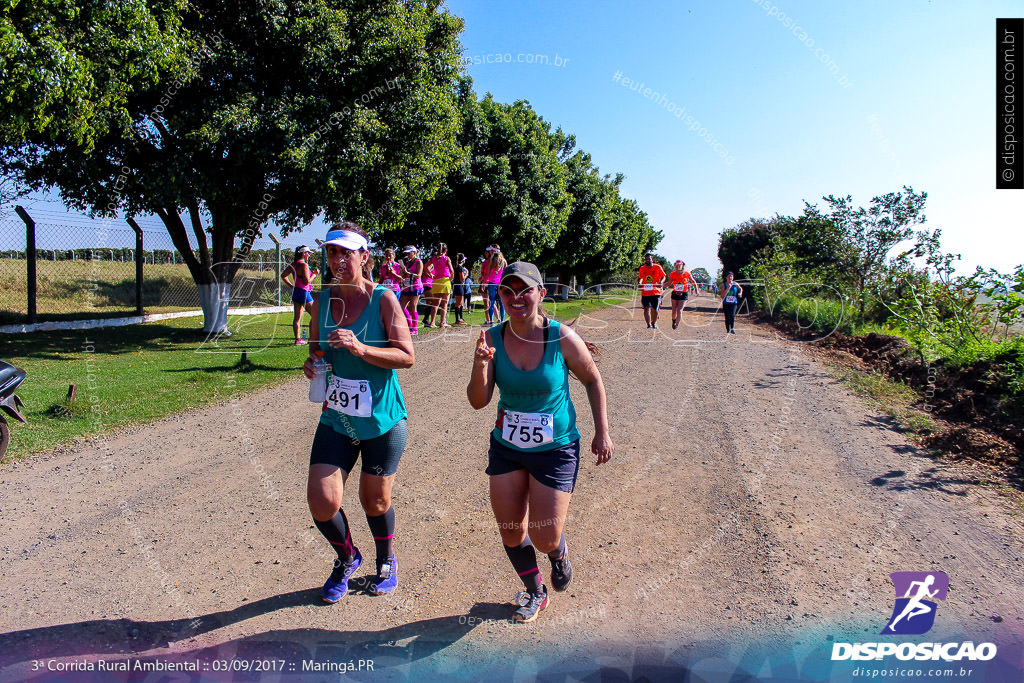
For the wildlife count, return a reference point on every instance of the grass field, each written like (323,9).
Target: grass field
(68,290)
(133,375)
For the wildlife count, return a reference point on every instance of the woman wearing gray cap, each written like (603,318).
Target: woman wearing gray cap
(534,454)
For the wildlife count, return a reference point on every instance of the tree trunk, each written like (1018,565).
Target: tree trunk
(214,271)
(214,300)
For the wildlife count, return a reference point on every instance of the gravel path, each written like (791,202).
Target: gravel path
(749,497)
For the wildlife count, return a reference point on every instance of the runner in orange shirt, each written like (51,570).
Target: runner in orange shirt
(682,283)
(652,277)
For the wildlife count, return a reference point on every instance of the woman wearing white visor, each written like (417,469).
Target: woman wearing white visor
(364,337)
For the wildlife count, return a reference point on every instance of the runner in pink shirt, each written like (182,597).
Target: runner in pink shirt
(490,276)
(302,287)
(441,290)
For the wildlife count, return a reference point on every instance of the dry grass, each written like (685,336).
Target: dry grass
(85,289)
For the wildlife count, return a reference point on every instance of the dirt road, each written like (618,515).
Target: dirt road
(750,499)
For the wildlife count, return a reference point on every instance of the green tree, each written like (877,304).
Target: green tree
(590,219)
(872,233)
(631,236)
(1006,293)
(819,248)
(509,189)
(936,308)
(232,114)
(701,275)
(738,246)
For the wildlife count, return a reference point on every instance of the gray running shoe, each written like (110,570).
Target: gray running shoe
(530,606)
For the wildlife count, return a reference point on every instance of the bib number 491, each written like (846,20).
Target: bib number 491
(350,396)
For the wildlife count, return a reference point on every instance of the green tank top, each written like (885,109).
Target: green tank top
(359,377)
(535,411)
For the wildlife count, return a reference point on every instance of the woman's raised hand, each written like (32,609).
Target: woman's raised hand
(484,353)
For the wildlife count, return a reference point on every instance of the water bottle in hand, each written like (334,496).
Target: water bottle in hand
(318,385)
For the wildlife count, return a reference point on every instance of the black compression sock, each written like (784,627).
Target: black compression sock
(524,561)
(557,553)
(336,531)
(383,530)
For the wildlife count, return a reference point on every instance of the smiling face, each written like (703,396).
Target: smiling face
(648,260)
(520,299)
(346,264)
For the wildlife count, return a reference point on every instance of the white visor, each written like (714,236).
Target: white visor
(346,240)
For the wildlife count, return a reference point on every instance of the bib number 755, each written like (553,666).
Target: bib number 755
(527,430)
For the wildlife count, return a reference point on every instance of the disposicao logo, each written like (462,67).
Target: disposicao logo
(914,614)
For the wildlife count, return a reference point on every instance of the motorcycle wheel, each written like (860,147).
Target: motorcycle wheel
(5,437)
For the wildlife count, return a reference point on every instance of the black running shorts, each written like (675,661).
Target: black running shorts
(652,301)
(380,454)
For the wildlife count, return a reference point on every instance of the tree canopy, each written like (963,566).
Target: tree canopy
(510,187)
(222,118)
(526,186)
(233,114)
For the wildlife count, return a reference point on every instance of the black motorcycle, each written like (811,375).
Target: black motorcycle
(11,377)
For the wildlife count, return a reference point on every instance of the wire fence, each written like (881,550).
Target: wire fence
(87,269)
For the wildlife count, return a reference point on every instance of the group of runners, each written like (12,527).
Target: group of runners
(436,279)
(362,326)
(653,279)
(534,447)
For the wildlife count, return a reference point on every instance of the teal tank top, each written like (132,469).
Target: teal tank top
(388,405)
(528,397)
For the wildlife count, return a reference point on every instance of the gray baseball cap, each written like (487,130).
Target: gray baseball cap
(527,272)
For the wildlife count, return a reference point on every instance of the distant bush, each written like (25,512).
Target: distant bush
(820,314)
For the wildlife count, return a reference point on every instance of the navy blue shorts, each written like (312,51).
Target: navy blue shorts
(301,296)
(556,468)
(380,454)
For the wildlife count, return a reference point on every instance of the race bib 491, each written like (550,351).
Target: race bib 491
(350,396)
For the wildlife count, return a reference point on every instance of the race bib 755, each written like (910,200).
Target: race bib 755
(527,430)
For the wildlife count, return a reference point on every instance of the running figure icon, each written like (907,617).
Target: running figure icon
(916,593)
(915,607)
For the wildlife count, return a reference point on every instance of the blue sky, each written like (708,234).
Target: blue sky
(801,99)
(807,99)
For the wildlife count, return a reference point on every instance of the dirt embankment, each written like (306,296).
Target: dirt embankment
(975,419)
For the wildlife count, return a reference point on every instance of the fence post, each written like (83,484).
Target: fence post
(30,254)
(277,265)
(138,264)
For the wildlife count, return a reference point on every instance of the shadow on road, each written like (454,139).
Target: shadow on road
(108,638)
(928,479)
